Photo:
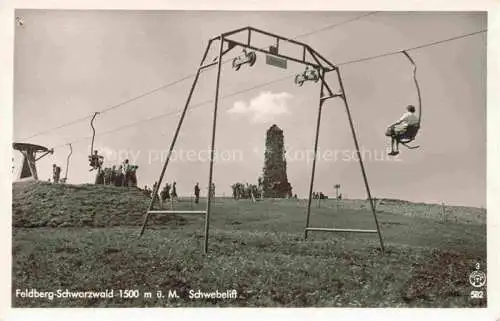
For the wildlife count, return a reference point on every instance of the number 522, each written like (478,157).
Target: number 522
(476,294)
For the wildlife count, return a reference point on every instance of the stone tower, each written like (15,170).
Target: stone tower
(275,180)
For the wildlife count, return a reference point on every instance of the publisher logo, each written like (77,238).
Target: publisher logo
(477,279)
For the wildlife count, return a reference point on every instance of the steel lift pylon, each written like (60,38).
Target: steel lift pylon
(312,60)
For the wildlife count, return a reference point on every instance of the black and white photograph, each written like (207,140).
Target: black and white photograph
(249,158)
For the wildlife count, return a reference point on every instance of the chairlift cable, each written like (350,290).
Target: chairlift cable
(426,45)
(154,90)
(252,88)
(171,113)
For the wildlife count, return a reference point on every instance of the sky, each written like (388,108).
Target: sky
(70,64)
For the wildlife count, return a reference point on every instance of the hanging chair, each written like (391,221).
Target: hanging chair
(412,131)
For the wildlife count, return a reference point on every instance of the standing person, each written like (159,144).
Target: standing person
(154,188)
(248,191)
(154,194)
(133,175)
(107,175)
(197,193)
(158,193)
(112,175)
(119,176)
(164,195)
(260,187)
(174,191)
(212,190)
(238,191)
(234,190)
(126,171)
(99,178)
(167,191)
(56,173)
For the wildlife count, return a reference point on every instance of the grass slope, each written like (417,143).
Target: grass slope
(41,204)
(257,249)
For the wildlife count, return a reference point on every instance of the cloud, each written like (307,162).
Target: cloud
(264,108)
(239,107)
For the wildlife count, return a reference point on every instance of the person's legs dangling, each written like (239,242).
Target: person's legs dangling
(394,142)
(390,133)
(396,134)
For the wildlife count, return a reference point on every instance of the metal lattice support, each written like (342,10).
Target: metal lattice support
(321,65)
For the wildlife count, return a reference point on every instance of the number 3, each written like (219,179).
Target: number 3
(478,266)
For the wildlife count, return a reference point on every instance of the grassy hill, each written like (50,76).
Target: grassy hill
(257,249)
(457,214)
(41,204)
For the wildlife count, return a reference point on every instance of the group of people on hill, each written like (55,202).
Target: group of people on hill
(242,191)
(169,192)
(321,196)
(124,175)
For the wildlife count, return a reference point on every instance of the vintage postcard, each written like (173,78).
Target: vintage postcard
(166,158)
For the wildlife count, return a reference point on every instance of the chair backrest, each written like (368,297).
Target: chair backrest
(409,135)
(412,131)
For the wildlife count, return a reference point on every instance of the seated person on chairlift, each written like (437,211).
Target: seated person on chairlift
(96,160)
(402,129)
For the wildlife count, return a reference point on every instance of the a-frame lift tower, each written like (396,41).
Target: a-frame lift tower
(319,65)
